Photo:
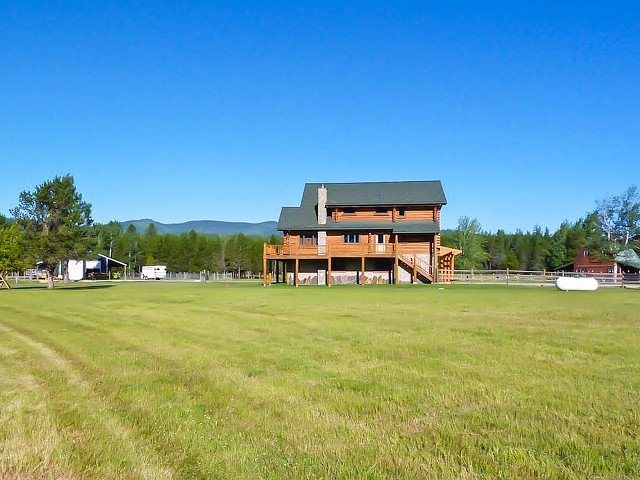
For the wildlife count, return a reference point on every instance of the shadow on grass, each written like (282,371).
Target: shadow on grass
(62,287)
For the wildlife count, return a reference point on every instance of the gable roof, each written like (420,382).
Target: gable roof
(626,257)
(305,217)
(378,193)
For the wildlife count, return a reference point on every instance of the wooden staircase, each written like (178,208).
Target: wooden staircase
(423,269)
(4,283)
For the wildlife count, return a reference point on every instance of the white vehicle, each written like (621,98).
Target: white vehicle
(153,272)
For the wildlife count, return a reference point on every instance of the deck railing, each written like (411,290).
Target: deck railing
(356,249)
(291,249)
(420,263)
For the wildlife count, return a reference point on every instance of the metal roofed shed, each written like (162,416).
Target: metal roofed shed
(99,269)
(628,258)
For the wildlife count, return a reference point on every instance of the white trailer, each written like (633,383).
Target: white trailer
(153,272)
(76,270)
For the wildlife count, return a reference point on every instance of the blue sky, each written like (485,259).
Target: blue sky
(176,111)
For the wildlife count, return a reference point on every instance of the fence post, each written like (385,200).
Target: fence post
(472,276)
(507,275)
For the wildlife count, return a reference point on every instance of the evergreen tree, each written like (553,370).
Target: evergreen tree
(511,261)
(56,221)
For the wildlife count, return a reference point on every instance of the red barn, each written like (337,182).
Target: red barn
(626,263)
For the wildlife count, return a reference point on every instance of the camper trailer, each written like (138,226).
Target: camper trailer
(153,272)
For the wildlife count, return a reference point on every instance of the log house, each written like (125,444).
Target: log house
(376,233)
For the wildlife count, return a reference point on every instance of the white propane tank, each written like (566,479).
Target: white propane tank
(577,283)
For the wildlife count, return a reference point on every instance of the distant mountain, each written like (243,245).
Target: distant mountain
(263,229)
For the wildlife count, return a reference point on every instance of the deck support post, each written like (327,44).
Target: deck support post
(395,249)
(362,279)
(415,269)
(453,267)
(295,278)
(277,272)
(395,271)
(328,271)
(264,264)
(436,270)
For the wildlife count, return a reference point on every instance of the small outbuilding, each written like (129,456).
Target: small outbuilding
(100,269)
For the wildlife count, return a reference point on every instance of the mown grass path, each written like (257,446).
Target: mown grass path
(165,380)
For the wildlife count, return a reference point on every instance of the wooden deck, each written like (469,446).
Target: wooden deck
(404,255)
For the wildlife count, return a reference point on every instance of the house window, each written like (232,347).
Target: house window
(382,210)
(349,211)
(381,238)
(586,253)
(352,238)
(401,212)
(309,239)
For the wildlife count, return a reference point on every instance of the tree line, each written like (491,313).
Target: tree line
(186,252)
(52,224)
(613,225)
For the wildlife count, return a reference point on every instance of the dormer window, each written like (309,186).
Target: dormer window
(381,211)
(401,212)
(349,211)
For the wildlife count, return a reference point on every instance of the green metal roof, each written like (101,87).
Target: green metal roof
(416,227)
(288,223)
(305,217)
(628,257)
(378,193)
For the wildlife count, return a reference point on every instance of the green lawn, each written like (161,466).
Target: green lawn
(166,380)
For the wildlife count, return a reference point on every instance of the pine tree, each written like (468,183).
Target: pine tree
(56,221)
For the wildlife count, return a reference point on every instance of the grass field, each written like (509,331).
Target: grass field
(167,380)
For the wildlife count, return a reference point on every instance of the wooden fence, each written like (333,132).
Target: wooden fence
(204,276)
(539,277)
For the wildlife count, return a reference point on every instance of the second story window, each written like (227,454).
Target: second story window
(381,210)
(401,212)
(352,238)
(349,211)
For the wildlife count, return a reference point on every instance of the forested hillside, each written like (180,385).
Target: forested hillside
(263,229)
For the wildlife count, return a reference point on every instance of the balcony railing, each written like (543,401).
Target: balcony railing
(291,249)
(356,249)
